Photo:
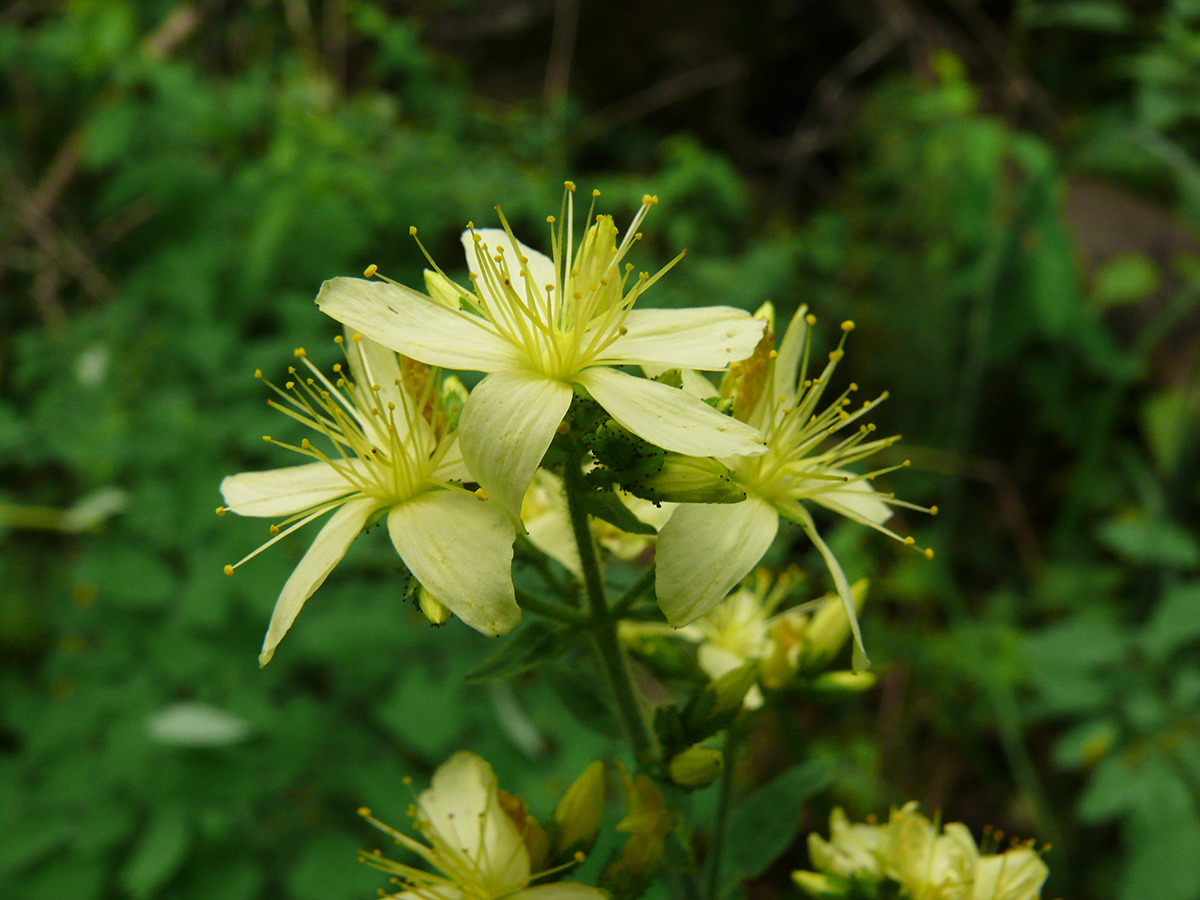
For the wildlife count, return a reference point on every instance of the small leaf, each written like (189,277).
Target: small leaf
(1175,622)
(158,854)
(535,643)
(763,825)
(1151,541)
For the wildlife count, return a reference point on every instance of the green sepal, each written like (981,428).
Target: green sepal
(608,506)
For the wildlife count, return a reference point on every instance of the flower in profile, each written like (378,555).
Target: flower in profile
(705,549)
(544,326)
(390,424)
(476,837)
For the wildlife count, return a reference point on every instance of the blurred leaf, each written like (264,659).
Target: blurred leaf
(1151,541)
(763,825)
(1175,622)
(1088,15)
(159,852)
(538,641)
(197,725)
(1125,278)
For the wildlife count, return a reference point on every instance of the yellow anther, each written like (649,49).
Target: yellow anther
(637,236)
(363,811)
(356,337)
(267,438)
(622,330)
(306,444)
(480,494)
(299,353)
(848,326)
(228,569)
(595,192)
(221,510)
(370,270)
(929,553)
(854,386)
(289,384)
(274,529)
(337,367)
(933,510)
(648,200)
(835,355)
(580,856)
(569,185)
(774,354)
(550,220)
(339,340)
(906,463)
(258,373)
(910,540)
(810,319)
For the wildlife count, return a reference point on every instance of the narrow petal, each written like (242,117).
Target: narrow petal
(706,549)
(282,492)
(668,417)
(506,425)
(539,265)
(791,352)
(460,549)
(855,500)
(411,323)
(710,337)
(803,518)
(326,552)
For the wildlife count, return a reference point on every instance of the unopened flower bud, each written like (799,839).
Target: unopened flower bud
(435,611)
(696,767)
(689,479)
(817,885)
(829,628)
(579,811)
(844,682)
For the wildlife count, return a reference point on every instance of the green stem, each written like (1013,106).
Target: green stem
(604,625)
(633,592)
(551,610)
(720,817)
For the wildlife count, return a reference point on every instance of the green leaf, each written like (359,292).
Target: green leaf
(1175,621)
(607,506)
(535,643)
(1125,278)
(763,826)
(1151,541)
(585,696)
(159,852)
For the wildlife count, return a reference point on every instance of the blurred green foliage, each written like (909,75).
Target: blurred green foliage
(1008,213)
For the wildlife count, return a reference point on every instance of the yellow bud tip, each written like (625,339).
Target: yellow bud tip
(929,553)
(480,494)
(569,185)
(364,811)
(258,373)
(848,326)
(228,569)
(299,353)
(220,510)
(810,319)
(356,337)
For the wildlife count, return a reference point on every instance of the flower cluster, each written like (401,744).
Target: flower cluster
(451,472)
(926,863)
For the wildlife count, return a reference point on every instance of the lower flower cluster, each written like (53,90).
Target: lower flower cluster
(926,863)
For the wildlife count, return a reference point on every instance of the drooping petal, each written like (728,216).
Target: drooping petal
(411,323)
(561,890)
(706,549)
(282,492)
(540,266)
(460,549)
(791,352)
(462,806)
(326,552)
(709,337)
(506,425)
(855,500)
(668,417)
(801,516)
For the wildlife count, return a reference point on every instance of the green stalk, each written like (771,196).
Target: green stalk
(604,625)
(720,817)
(555,611)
